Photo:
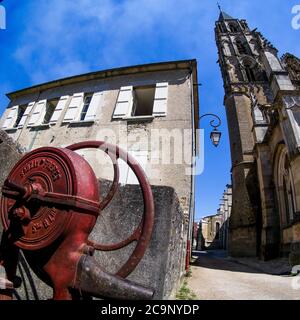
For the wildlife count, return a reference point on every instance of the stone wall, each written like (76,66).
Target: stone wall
(10,153)
(245,198)
(161,265)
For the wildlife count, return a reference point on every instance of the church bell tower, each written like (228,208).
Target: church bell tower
(245,82)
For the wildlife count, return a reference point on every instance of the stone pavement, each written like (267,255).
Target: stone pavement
(216,277)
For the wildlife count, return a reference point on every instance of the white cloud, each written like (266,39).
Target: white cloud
(64,38)
(70,37)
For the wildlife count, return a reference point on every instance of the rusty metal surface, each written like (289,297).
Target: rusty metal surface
(53,171)
(49,206)
(142,237)
(35,192)
(93,280)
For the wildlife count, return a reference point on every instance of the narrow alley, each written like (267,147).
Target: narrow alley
(214,277)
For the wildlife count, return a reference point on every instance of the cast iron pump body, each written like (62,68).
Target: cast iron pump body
(49,205)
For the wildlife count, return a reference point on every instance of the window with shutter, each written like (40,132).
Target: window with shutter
(74,107)
(26,114)
(143,98)
(123,170)
(50,108)
(86,105)
(59,109)
(160,99)
(95,104)
(38,114)
(142,158)
(11,118)
(21,111)
(124,102)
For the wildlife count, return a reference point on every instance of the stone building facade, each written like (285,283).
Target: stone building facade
(213,230)
(262,101)
(149,110)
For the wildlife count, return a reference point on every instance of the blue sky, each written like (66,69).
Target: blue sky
(46,40)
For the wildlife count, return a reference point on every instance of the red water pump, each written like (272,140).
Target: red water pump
(49,205)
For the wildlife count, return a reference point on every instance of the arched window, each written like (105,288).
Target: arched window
(241,47)
(217,237)
(244,25)
(250,74)
(284,187)
(221,28)
(258,115)
(226,48)
(233,27)
(249,70)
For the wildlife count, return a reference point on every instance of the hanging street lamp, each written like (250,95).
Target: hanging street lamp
(215,135)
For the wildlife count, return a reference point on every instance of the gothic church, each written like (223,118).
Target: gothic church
(262,101)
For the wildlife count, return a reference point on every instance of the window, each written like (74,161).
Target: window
(217,231)
(86,104)
(249,66)
(50,108)
(258,115)
(233,27)
(241,47)
(126,174)
(221,28)
(83,107)
(288,192)
(250,74)
(38,113)
(62,102)
(143,99)
(284,187)
(21,111)
(226,47)
(244,25)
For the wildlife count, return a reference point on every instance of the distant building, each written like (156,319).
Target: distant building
(262,100)
(213,230)
(195,235)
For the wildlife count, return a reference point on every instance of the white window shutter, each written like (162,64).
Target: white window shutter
(26,114)
(74,107)
(38,114)
(59,108)
(124,102)
(160,99)
(11,118)
(142,158)
(123,170)
(93,107)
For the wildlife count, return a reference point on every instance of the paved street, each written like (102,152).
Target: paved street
(215,278)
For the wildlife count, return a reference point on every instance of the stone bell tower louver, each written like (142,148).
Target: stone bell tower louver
(244,81)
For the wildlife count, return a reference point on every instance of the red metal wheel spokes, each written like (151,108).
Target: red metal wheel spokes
(144,231)
(111,247)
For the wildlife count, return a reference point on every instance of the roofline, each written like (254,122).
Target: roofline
(114,72)
(211,216)
(190,64)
